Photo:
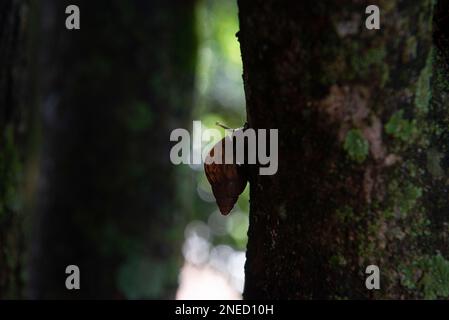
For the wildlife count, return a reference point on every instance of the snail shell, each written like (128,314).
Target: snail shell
(227,180)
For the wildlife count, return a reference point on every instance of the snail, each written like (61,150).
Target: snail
(228,180)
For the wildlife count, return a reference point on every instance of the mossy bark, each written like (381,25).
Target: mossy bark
(111,93)
(14,112)
(363,160)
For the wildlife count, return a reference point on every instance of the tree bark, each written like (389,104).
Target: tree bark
(363,150)
(111,93)
(14,111)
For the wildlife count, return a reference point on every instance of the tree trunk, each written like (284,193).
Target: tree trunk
(112,91)
(14,22)
(363,150)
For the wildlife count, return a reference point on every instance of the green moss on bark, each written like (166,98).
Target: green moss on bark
(356,145)
(423,92)
(429,275)
(401,128)
(369,94)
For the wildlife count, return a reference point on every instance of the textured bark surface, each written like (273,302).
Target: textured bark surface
(14,23)
(363,150)
(111,93)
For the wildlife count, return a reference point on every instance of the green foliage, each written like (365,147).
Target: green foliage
(356,145)
(220,98)
(401,128)
(219,73)
(237,227)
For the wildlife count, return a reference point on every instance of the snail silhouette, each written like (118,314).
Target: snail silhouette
(228,180)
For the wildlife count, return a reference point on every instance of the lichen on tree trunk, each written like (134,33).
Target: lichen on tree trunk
(363,169)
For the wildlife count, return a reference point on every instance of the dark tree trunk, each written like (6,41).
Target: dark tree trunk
(363,150)
(14,23)
(107,197)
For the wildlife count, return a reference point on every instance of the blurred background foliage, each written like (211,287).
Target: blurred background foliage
(212,239)
(99,189)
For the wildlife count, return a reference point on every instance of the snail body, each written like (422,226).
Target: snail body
(228,180)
